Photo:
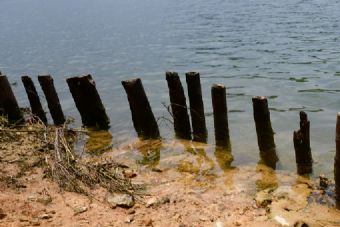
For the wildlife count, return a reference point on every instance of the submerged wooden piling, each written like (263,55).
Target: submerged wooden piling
(142,116)
(196,107)
(220,109)
(88,101)
(47,85)
(33,98)
(178,106)
(8,101)
(264,131)
(337,162)
(301,139)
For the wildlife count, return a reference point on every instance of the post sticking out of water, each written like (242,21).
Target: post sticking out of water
(88,101)
(303,154)
(178,106)
(219,103)
(264,130)
(142,116)
(47,85)
(33,98)
(196,107)
(8,101)
(337,162)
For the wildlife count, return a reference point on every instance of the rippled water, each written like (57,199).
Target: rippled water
(286,50)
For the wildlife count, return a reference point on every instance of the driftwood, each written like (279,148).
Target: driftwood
(219,103)
(8,102)
(264,130)
(200,133)
(88,102)
(178,106)
(33,98)
(47,85)
(337,162)
(302,148)
(142,116)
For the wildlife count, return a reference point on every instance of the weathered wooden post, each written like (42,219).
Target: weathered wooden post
(337,162)
(142,116)
(47,85)
(33,98)
(178,106)
(8,101)
(196,107)
(301,139)
(264,130)
(219,103)
(88,101)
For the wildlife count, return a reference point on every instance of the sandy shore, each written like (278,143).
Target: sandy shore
(185,196)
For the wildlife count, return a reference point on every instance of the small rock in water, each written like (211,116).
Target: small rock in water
(122,200)
(323,182)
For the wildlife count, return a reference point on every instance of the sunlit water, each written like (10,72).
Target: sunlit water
(286,50)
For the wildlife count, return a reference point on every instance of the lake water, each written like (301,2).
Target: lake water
(286,50)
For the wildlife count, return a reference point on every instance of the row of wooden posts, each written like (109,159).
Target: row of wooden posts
(93,114)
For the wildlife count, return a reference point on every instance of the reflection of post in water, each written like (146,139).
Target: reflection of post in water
(268,178)
(224,157)
(151,151)
(202,164)
(264,130)
(98,141)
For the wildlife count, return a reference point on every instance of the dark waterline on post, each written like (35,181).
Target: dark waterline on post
(178,106)
(33,98)
(199,128)
(8,101)
(264,131)
(301,139)
(47,85)
(142,116)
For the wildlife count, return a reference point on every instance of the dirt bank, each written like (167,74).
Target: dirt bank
(188,195)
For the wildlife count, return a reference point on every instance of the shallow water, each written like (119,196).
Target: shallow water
(285,50)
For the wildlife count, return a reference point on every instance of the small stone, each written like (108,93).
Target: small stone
(300,224)
(154,169)
(218,224)
(44,199)
(149,222)
(2,214)
(129,173)
(237,223)
(151,202)
(129,219)
(45,216)
(79,209)
(122,200)
(131,211)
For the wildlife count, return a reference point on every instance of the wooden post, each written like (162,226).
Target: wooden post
(33,98)
(302,148)
(337,162)
(178,106)
(47,85)
(88,101)
(219,103)
(142,116)
(265,133)
(8,101)
(196,107)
